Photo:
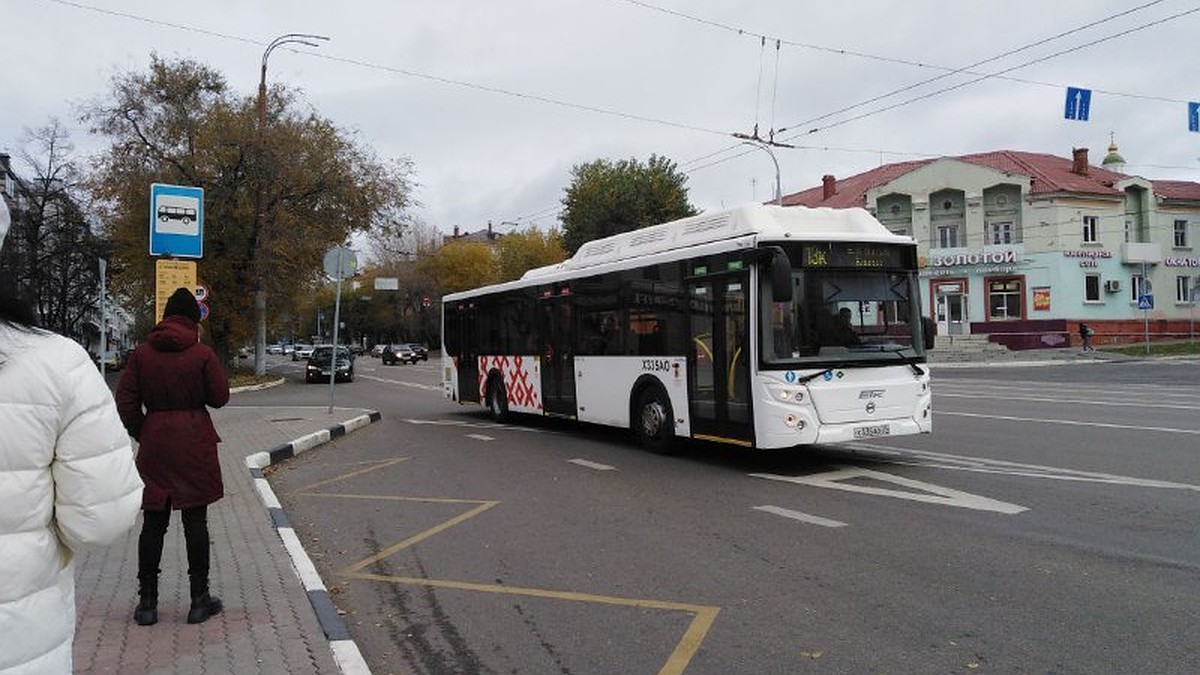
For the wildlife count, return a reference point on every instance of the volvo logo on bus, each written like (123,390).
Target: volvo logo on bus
(870,393)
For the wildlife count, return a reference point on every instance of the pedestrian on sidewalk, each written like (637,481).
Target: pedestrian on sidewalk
(163,396)
(1085,334)
(67,482)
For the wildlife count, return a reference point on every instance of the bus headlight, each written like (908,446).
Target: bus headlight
(788,395)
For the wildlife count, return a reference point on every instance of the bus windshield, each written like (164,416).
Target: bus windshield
(839,316)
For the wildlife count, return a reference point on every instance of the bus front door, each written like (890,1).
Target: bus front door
(719,359)
(468,358)
(558,357)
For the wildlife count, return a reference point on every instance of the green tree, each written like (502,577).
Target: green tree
(179,123)
(607,198)
(519,252)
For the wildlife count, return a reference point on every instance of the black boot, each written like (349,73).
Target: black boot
(146,613)
(203,607)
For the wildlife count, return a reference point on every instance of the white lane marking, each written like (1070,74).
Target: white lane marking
(802,517)
(1087,402)
(475,425)
(1104,425)
(414,385)
(480,437)
(937,460)
(1071,389)
(929,493)
(592,465)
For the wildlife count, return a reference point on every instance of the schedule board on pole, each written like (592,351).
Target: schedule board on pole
(170,275)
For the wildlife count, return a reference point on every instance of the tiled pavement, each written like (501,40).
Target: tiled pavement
(269,625)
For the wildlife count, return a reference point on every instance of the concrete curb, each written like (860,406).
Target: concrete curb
(257,387)
(345,651)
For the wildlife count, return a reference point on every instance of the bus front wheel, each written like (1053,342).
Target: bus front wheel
(653,422)
(497,401)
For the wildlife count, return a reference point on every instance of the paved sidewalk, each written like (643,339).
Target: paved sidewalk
(269,624)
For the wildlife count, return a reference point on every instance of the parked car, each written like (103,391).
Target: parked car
(114,359)
(302,352)
(275,348)
(319,365)
(399,353)
(421,350)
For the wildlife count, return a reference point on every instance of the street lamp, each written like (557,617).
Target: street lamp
(260,296)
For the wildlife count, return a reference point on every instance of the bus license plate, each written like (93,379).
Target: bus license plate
(872,431)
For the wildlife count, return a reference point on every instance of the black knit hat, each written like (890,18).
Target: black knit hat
(183,303)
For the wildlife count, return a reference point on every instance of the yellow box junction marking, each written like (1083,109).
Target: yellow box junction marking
(681,656)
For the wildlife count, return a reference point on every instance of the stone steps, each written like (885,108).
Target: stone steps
(950,348)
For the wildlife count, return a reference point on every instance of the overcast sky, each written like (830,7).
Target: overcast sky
(495,101)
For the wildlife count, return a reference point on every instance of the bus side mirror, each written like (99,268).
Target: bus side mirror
(780,268)
(929,332)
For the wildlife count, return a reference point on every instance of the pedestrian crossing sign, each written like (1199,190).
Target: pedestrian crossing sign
(1145,301)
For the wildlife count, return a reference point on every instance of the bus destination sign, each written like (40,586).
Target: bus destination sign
(853,255)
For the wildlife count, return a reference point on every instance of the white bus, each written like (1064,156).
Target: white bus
(761,326)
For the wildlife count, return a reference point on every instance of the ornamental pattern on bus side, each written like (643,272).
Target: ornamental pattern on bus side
(522,381)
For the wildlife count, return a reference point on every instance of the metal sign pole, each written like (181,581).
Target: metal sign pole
(337,309)
(103,318)
(1145,312)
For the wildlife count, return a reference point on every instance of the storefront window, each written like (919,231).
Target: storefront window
(1004,299)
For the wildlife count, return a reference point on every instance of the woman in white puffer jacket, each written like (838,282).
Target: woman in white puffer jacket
(67,481)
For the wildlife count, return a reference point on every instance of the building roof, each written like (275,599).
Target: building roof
(1177,189)
(1047,174)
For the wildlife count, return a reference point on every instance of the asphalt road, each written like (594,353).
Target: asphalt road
(1050,524)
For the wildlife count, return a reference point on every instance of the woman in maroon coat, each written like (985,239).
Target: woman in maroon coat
(162,398)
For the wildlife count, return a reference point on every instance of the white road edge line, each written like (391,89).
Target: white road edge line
(592,465)
(1075,423)
(480,437)
(802,517)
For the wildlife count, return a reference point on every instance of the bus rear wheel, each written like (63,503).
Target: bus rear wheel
(497,401)
(653,421)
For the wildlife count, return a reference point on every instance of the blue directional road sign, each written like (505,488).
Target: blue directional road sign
(1146,301)
(176,221)
(1079,104)
(1193,116)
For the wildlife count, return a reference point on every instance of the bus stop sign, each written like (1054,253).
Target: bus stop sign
(176,221)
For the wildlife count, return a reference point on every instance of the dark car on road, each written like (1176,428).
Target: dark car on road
(319,365)
(421,350)
(399,353)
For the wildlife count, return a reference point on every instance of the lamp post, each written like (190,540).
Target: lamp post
(260,295)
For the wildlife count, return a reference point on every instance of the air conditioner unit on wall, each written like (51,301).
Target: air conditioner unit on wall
(1112,285)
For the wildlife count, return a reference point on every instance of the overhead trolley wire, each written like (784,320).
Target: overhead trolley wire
(980,78)
(739,152)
